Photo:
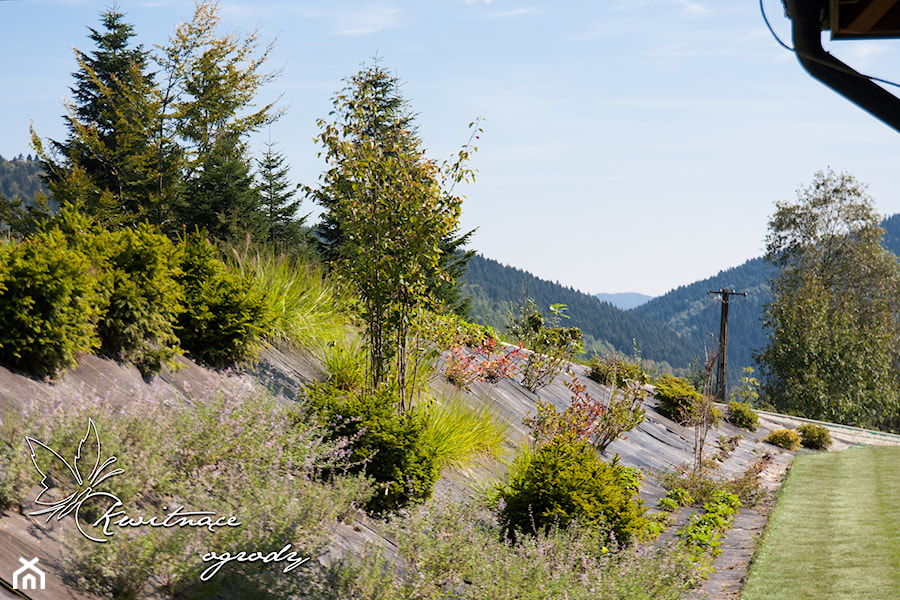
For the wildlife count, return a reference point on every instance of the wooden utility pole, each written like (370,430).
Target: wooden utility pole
(722,367)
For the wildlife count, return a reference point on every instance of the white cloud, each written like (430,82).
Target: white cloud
(361,20)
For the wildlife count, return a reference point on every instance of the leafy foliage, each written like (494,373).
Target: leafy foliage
(550,347)
(700,535)
(486,362)
(386,212)
(833,325)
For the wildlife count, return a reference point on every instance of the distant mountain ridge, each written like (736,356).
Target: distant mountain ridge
(495,287)
(691,313)
(695,314)
(624,300)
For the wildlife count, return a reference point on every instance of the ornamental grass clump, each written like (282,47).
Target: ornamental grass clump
(304,307)
(459,433)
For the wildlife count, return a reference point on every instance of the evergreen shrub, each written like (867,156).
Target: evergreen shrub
(565,481)
(48,304)
(388,446)
(784,438)
(814,437)
(742,415)
(677,397)
(142,296)
(224,320)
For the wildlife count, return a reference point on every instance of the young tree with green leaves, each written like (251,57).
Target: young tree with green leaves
(387,208)
(211,82)
(834,334)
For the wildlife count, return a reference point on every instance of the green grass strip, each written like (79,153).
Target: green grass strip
(835,532)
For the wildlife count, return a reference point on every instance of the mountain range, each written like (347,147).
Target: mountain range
(673,330)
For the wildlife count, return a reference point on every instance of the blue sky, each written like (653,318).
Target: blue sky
(628,145)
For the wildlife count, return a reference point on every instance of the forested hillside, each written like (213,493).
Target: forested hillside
(694,314)
(494,287)
(689,311)
(19,178)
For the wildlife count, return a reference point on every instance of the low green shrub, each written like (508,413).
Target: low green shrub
(700,536)
(48,304)
(225,316)
(613,371)
(667,504)
(565,481)
(740,414)
(784,438)
(674,499)
(677,397)
(139,270)
(814,437)
(390,447)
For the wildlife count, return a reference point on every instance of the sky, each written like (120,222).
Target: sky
(627,145)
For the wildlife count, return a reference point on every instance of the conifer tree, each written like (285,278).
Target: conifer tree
(113,164)
(221,198)
(283,227)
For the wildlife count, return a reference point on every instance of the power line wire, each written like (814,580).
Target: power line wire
(762,10)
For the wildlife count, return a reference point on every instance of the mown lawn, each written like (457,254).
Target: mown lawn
(835,532)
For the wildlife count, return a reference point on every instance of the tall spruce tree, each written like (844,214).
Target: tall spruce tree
(220,198)
(113,164)
(283,227)
(834,334)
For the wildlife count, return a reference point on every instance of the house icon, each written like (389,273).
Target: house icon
(28,575)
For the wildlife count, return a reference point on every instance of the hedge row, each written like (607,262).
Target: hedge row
(133,295)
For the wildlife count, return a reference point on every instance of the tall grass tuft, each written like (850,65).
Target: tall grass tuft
(306,308)
(345,361)
(459,433)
